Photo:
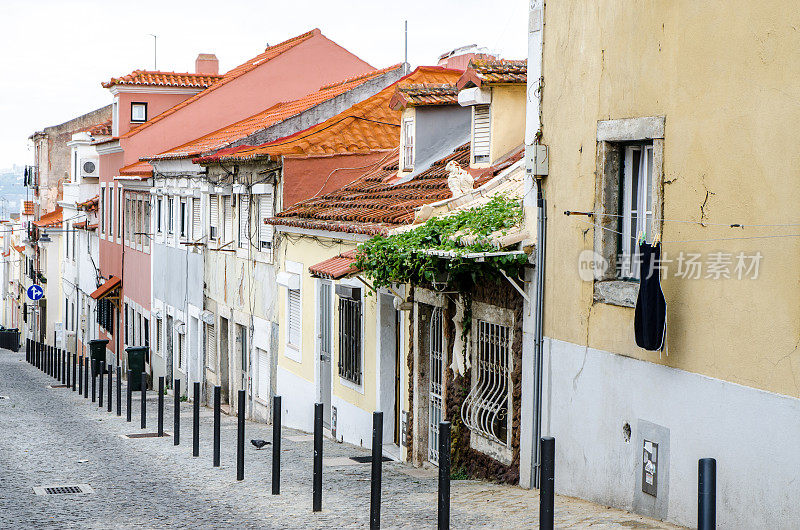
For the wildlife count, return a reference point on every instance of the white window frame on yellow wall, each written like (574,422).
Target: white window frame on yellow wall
(292,280)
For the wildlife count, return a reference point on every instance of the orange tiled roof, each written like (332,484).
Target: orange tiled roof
(137,169)
(490,72)
(51,218)
(335,267)
(268,54)
(28,208)
(20,248)
(267,118)
(101,129)
(159,78)
(376,202)
(109,285)
(424,94)
(90,204)
(370,125)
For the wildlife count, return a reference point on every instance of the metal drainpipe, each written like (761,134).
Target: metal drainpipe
(538,336)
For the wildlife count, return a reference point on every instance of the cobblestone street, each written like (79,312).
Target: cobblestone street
(53,436)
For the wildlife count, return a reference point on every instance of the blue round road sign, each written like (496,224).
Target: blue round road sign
(35,292)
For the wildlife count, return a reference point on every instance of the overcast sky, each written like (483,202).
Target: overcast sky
(55,54)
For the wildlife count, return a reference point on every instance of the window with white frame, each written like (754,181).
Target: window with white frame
(265,230)
(120,204)
(350,335)
(183,216)
(211,347)
(138,112)
(213,217)
(159,214)
(196,223)
(408,144)
(74,242)
(294,318)
(103,210)
(159,336)
(127,322)
(227,214)
(146,222)
(263,374)
(481,133)
(67,241)
(181,350)
(244,221)
(170,215)
(636,205)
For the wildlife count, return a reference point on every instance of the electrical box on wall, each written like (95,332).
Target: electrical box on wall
(650,468)
(537,160)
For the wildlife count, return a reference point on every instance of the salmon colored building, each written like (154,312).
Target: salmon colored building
(155,111)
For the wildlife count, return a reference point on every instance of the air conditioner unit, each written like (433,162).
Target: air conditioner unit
(90,167)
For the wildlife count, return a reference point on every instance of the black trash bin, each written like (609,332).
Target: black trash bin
(136,357)
(97,349)
(13,339)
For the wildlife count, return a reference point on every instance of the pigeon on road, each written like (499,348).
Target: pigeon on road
(259,443)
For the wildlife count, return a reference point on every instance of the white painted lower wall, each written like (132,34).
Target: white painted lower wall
(353,424)
(589,395)
(297,400)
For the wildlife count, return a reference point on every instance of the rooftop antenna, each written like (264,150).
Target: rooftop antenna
(405,52)
(155,51)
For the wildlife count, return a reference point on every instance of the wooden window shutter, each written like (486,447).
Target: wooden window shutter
(228,215)
(213,221)
(481,133)
(211,347)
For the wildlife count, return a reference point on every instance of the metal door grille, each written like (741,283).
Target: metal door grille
(435,384)
(350,340)
(485,410)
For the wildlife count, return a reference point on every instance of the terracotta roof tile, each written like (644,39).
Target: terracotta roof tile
(90,204)
(370,125)
(377,202)
(267,118)
(424,94)
(137,169)
(335,267)
(492,72)
(159,78)
(101,129)
(27,208)
(53,218)
(108,286)
(20,248)
(267,55)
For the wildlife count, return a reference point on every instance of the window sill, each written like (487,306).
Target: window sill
(616,292)
(351,385)
(291,352)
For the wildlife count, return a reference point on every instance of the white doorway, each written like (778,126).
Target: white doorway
(325,335)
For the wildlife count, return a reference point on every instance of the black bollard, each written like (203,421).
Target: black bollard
(110,385)
(317,489)
(74,371)
(161,405)
(67,368)
(547,480)
(27,350)
(240,436)
(94,380)
(143,408)
(276,445)
(176,413)
(444,475)
(119,391)
(129,392)
(62,367)
(707,494)
(377,464)
(216,424)
(100,375)
(196,421)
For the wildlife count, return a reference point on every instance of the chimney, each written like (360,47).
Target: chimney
(459,58)
(206,63)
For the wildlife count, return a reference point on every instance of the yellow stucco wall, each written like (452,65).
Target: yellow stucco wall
(309,252)
(507,118)
(728,88)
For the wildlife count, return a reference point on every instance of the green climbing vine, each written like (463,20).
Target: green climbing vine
(399,257)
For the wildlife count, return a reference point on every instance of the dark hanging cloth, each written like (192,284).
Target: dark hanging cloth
(650,319)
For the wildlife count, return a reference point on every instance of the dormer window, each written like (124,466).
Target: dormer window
(138,112)
(481,133)
(408,144)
